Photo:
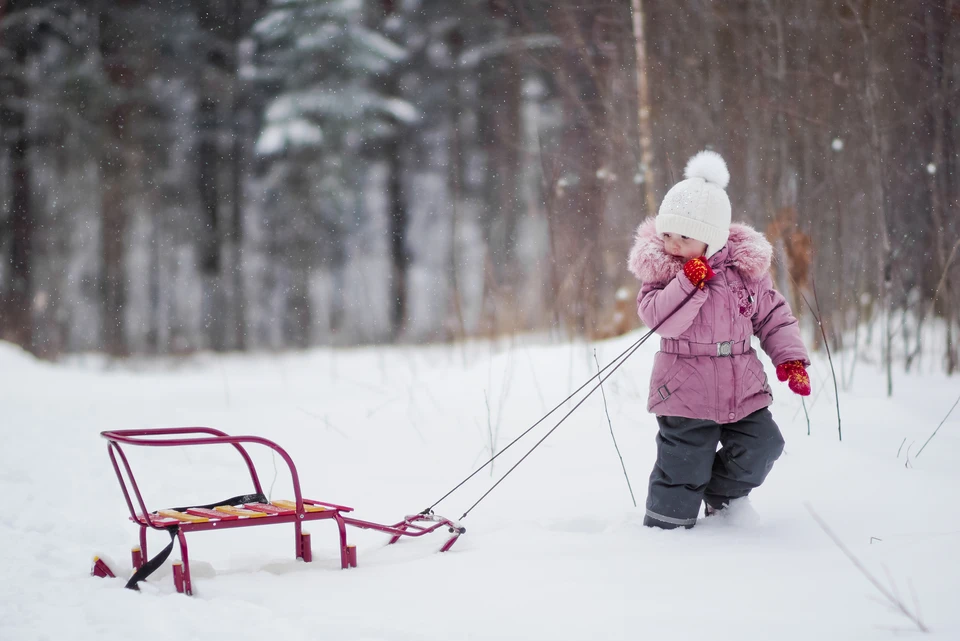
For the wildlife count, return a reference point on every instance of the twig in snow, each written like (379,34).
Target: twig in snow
(603,395)
(326,421)
(371,412)
(273,459)
(412,411)
(913,595)
(803,402)
(826,344)
(894,601)
(813,403)
(893,583)
(226,385)
(941,424)
(536,380)
(491,435)
(901,446)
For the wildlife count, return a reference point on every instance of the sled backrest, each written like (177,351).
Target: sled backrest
(181,437)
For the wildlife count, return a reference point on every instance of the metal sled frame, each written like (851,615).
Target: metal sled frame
(297,511)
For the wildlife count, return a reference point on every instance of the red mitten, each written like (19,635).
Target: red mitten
(698,271)
(796,374)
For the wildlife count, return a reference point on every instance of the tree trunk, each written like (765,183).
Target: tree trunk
(935,30)
(233,269)
(16,323)
(211,240)
(113,233)
(502,79)
(114,168)
(579,210)
(644,110)
(222,252)
(397,234)
(875,173)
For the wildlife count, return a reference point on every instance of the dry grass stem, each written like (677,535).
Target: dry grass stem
(892,598)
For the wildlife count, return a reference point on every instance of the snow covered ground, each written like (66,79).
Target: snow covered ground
(556,552)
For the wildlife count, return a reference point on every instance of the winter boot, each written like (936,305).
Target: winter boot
(737,511)
(709,510)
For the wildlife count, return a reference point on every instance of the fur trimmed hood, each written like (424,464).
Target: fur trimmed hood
(747,250)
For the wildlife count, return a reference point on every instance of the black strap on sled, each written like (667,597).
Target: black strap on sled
(153,564)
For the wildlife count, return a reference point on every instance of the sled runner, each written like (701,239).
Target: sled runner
(246,510)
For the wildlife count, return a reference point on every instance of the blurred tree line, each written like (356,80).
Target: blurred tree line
(178,175)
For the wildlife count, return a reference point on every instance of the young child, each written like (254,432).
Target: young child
(708,387)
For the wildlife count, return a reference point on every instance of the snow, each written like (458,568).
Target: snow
(275,22)
(379,45)
(324,38)
(402,110)
(286,134)
(332,103)
(556,552)
(476,55)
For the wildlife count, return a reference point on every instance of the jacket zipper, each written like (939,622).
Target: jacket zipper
(733,373)
(716,388)
(734,319)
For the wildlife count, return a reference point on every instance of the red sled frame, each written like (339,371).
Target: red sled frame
(304,510)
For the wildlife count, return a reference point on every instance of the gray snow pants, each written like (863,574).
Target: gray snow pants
(689,469)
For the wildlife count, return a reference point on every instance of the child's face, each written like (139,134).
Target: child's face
(682,246)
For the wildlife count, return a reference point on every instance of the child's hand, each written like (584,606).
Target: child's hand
(796,373)
(698,271)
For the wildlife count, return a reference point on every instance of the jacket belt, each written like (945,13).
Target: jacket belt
(688,348)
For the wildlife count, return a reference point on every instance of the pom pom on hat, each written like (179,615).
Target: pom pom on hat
(709,166)
(698,207)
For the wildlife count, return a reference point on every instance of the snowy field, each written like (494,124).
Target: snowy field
(556,552)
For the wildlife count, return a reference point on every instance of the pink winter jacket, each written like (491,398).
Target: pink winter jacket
(706,367)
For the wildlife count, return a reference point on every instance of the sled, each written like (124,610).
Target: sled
(250,510)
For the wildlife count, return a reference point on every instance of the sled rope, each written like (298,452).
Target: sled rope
(527,431)
(622,358)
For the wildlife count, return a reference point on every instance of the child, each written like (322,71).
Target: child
(708,387)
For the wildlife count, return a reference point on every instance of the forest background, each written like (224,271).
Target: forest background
(185,175)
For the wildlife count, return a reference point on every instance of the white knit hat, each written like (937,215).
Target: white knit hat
(698,207)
